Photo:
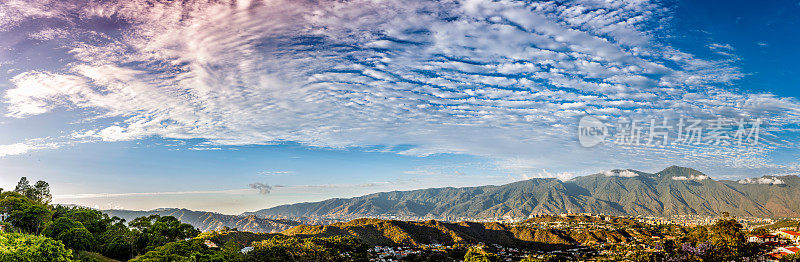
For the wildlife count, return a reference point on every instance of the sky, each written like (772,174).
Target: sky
(234,106)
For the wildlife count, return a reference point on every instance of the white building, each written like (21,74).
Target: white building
(789,234)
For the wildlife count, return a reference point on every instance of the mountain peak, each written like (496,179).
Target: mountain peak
(679,171)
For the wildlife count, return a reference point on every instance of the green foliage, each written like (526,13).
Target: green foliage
(241,238)
(728,237)
(8,226)
(154,231)
(17,247)
(117,242)
(70,232)
(91,230)
(94,221)
(545,258)
(40,192)
(697,235)
(86,256)
(283,248)
(187,250)
(478,254)
(782,224)
(759,232)
(78,238)
(627,252)
(791,258)
(25,214)
(723,241)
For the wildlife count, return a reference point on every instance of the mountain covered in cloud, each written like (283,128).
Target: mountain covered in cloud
(672,191)
(206,221)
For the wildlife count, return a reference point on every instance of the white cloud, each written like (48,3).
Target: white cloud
(717,46)
(691,177)
(25,147)
(621,173)
(276,173)
(38,92)
(14,149)
(204,148)
(762,180)
(498,79)
(49,34)
(563,176)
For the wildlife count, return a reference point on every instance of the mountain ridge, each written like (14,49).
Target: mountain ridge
(672,191)
(207,221)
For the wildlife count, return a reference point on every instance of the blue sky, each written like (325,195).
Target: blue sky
(131,104)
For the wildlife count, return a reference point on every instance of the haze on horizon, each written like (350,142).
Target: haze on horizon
(234,106)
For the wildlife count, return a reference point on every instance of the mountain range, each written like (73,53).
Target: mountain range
(206,221)
(672,191)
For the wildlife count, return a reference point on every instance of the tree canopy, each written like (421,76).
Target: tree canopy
(17,247)
(39,192)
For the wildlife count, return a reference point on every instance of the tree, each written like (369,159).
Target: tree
(790,258)
(759,232)
(72,233)
(40,192)
(284,248)
(185,250)
(477,254)
(117,242)
(727,235)
(15,247)
(22,186)
(77,238)
(723,241)
(94,221)
(111,237)
(154,230)
(24,213)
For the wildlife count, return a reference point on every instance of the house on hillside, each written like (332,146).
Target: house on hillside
(789,234)
(780,252)
(763,239)
(210,244)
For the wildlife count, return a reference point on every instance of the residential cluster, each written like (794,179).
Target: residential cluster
(782,243)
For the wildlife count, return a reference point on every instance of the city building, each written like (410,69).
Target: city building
(789,234)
